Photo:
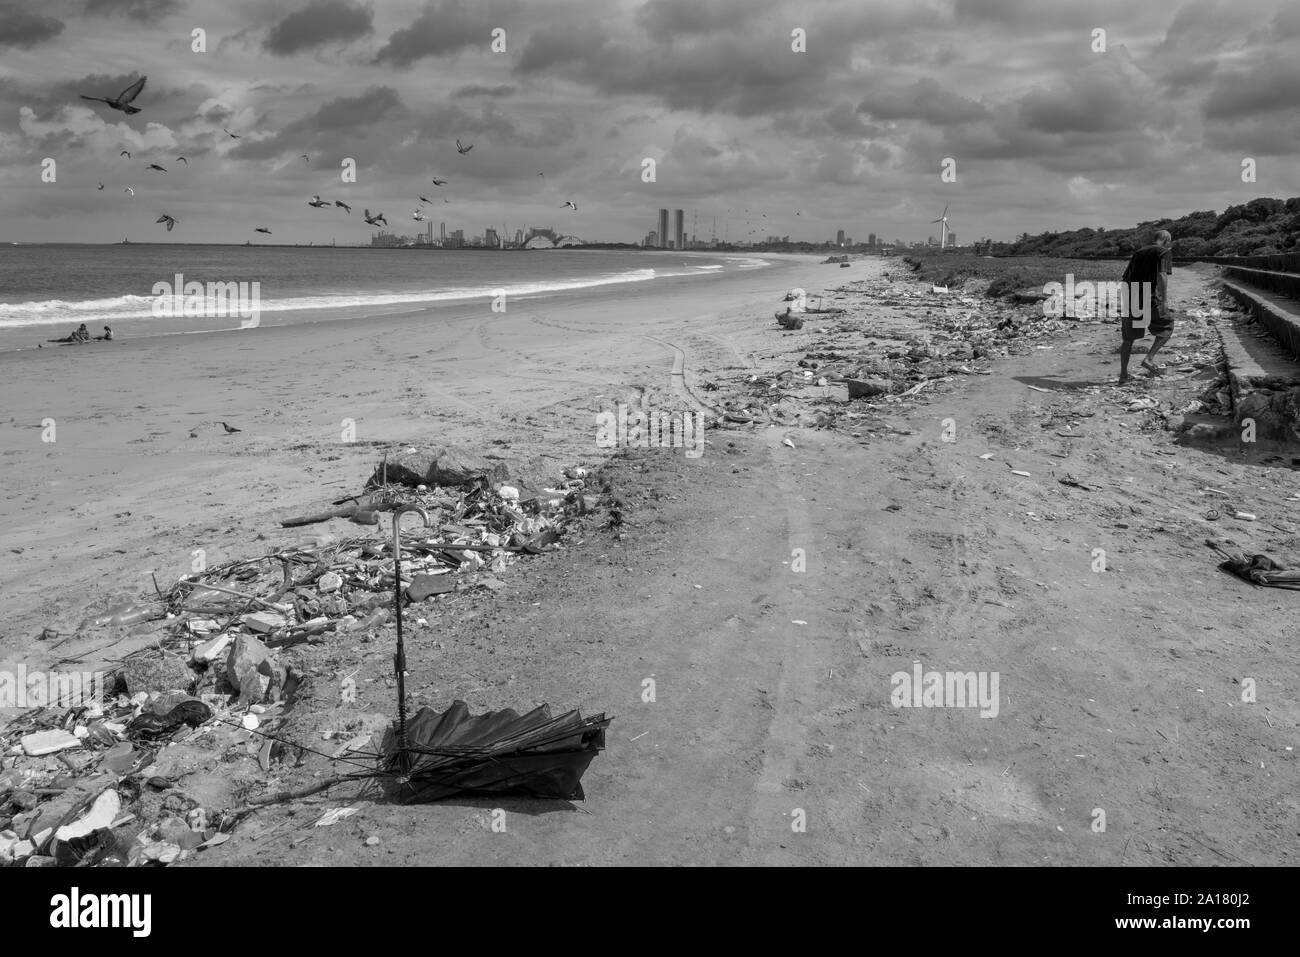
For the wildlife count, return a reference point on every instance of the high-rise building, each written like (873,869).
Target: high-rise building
(663,228)
(839,237)
(679,227)
(490,238)
(442,234)
(871,239)
(952,238)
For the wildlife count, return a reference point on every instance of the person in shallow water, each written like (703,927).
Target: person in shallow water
(80,334)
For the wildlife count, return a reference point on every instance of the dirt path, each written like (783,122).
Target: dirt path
(1119,690)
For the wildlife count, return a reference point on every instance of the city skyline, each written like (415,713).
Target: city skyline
(1045,129)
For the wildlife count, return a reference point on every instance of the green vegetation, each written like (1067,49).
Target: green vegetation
(1006,275)
(1259,227)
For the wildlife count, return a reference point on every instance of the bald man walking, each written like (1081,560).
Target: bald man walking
(1148,271)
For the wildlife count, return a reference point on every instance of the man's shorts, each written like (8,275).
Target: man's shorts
(1162,324)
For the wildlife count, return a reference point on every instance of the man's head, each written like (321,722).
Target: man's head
(1163,238)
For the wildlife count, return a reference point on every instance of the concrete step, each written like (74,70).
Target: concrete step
(1277,313)
(1283,283)
(1263,377)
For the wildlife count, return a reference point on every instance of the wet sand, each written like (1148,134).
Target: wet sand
(123,491)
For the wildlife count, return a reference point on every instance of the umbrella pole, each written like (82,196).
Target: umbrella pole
(399,659)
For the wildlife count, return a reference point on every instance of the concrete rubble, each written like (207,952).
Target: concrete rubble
(161,763)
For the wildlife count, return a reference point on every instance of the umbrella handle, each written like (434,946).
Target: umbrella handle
(399,659)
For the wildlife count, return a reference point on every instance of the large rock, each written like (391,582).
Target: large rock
(867,388)
(49,742)
(251,667)
(154,671)
(790,319)
(439,465)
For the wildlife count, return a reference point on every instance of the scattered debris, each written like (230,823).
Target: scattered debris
(104,781)
(1257,569)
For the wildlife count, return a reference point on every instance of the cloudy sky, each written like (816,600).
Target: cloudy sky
(850,133)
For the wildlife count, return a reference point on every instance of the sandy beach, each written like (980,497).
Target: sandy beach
(1121,688)
(124,491)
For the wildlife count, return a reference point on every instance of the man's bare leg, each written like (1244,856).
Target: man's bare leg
(1149,362)
(1125,353)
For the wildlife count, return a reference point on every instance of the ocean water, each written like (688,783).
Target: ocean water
(46,291)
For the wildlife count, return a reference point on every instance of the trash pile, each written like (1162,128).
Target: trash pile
(85,786)
(90,780)
(885,359)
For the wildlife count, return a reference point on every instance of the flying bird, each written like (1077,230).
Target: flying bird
(182,159)
(129,190)
(569,204)
(540,173)
(416,215)
(230,428)
(344,206)
(123,100)
(306,157)
(262,229)
(438,182)
(317,202)
(158,168)
(125,153)
(169,220)
(425,199)
(233,136)
(101,185)
(376,219)
(462,150)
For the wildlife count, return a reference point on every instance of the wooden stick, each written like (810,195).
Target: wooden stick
(230,591)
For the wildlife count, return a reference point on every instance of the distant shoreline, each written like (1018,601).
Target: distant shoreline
(24,339)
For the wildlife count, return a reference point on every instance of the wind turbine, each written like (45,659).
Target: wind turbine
(943,228)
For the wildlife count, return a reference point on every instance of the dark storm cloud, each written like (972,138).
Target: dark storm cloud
(923,100)
(340,121)
(1189,74)
(24,29)
(753,75)
(1042,17)
(493,92)
(319,23)
(218,114)
(1253,136)
(995,11)
(1087,104)
(143,10)
(448,26)
(667,20)
(1265,87)
(1203,27)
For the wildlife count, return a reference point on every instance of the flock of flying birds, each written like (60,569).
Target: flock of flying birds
(123,102)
